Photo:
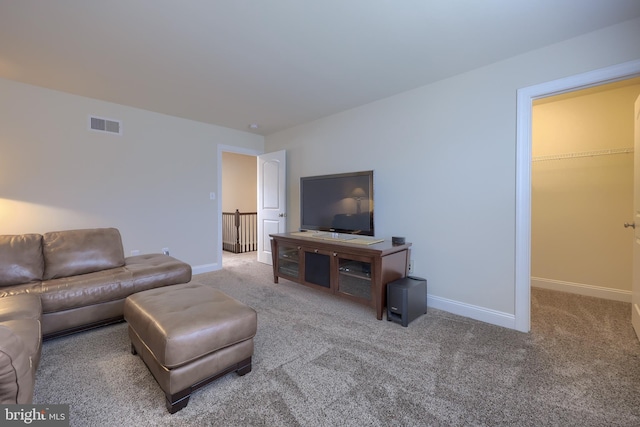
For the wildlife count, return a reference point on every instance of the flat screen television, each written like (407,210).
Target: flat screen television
(341,203)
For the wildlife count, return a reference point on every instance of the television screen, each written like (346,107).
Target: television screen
(340,203)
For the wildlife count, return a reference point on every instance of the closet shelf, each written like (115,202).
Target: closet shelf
(583,154)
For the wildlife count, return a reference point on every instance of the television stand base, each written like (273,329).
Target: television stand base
(357,269)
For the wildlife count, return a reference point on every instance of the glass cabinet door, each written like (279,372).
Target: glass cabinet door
(289,261)
(354,278)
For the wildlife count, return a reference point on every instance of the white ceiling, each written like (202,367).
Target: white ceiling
(277,63)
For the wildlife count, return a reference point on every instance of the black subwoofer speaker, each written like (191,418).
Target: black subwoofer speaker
(406,299)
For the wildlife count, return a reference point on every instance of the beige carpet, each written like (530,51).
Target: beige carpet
(323,361)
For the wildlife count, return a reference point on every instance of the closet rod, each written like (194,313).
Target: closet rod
(583,154)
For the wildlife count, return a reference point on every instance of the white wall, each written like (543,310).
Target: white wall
(152,183)
(444,157)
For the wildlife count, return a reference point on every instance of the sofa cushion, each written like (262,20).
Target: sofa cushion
(21,306)
(72,252)
(155,270)
(83,290)
(21,259)
(34,288)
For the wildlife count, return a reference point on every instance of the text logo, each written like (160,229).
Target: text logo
(34,415)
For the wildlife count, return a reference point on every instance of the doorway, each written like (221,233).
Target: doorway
(239,203)
(235,160)
(582,191)
(525,98)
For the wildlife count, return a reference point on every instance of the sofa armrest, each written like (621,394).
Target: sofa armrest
(17,378)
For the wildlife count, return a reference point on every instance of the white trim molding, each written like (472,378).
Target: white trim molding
(205,268)
(581,289)
(482,314)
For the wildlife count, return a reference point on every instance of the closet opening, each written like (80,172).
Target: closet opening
(525,99)
(582,191)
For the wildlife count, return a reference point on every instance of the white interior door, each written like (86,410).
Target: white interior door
(272,200)
(635,287)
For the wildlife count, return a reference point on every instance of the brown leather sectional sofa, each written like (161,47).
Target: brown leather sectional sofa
(63,282)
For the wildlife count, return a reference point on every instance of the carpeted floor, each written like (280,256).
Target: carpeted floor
(323,361)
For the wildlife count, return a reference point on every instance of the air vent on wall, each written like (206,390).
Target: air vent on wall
(100,124)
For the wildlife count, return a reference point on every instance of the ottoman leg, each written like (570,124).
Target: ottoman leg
(179,400)
(244,367)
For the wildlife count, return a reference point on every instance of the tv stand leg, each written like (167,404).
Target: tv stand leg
(274,259)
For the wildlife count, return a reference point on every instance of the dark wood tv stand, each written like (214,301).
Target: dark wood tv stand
(359,272)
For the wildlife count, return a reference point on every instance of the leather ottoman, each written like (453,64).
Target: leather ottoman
(189,335)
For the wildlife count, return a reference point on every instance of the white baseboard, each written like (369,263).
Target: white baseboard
(493,317)
(482,314)
(582,289)
(205,268)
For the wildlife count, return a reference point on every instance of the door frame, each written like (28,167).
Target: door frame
(635,285)
(228,149)
(525,98)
